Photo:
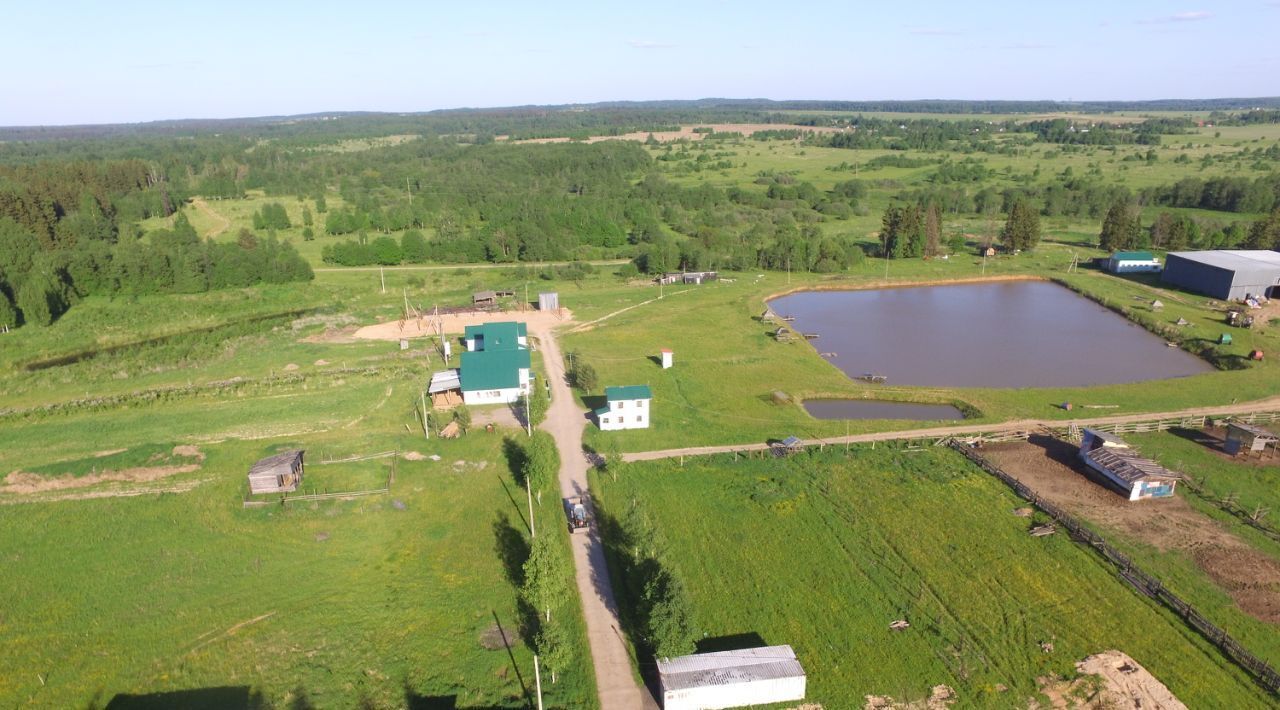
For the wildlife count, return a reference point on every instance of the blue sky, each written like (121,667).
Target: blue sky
(100,62)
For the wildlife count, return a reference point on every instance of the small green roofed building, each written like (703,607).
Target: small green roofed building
(1131,262)
(625,408)
(504,335)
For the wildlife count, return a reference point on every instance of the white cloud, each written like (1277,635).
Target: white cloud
(1026,45)
(1191,16)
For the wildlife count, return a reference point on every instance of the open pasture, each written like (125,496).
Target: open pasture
(824,550)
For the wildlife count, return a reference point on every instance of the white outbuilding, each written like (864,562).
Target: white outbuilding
(667,358)
(731,679)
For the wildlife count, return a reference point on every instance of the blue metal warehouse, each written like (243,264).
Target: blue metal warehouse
(1227,274)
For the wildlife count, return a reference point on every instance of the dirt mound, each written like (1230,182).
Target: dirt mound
(321,362)
(1051,468)
(413,456)
(456,322)
(1111,680)
(290,367)
(940,698)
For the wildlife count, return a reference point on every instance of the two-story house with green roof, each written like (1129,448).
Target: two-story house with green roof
(496,368)
(625,408)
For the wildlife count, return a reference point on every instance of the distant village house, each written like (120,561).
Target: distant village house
(280,473)
(625,408)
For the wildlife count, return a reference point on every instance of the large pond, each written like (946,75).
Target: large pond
(995,334)
(879,409)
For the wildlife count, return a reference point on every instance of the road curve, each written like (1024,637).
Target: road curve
(615,682)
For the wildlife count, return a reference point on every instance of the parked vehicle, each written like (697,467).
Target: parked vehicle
(575,510)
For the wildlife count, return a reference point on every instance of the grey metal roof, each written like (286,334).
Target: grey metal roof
(443,381)
(1128,466)
(1255,430)
(1233,259)
(1106,436)
(275,465)
(729,667)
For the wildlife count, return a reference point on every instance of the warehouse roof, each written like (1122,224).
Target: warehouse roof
(729,667)
(613,394)
(493,369)
(1233,259)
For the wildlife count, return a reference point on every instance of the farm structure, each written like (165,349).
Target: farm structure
(1129,262)
(668,358)
(549,301)
(505,335)
(1247,439)
(1139,478)
(625,408)
(1228,274)
(496,369)
(687,277)
(484,298)
(730,679)
(445,389)
(280,473)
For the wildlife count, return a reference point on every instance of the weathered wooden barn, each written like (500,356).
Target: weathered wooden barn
(1246,439)
(481,299)
(731,679)
(280,473)
(1137,477)
(1228,274)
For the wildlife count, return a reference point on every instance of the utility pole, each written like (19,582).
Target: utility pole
(533,529)
(528,419)
(526,294)
(383,276)
(406,189)
(537,679)
(426,431)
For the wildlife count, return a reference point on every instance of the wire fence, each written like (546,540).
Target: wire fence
(1262,672)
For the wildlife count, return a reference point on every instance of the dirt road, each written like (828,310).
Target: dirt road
(615,683)
(223,223)
(1261,405)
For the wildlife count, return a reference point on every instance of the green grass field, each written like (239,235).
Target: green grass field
(823,551)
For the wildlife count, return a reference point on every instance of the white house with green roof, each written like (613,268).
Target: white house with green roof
(625,408)
(496,368)
(505,335)
(1129,262)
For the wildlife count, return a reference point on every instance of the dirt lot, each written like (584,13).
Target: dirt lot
(1111,680)
(1049,466)
(22,483)
(1213,438)
(456,322)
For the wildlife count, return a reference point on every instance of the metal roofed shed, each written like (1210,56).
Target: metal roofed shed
(549,301)
(1138,477)
(280,473)
(1227,274)
(1248,438)
(1130,262)
(731,679)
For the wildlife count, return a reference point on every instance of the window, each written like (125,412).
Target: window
(605,420)
(639,419)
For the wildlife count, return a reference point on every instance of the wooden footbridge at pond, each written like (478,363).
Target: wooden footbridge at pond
(1263,410)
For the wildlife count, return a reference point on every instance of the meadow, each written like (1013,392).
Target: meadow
(824,550)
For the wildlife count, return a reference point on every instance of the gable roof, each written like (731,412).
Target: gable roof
(1232,259)
(493,369)
(614,394)
(504,335)
(729,667)
(1129,467)
(281,463)
(1133,256)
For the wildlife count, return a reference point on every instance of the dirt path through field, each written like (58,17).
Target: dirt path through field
(1262,405)
(223,223)
(615,682)
(1050,467)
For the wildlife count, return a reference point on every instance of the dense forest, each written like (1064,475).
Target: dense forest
(453,188)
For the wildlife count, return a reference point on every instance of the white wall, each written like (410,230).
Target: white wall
(735,695)
(502,396)
(625,414)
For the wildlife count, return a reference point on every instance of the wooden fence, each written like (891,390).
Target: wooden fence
(1263,673)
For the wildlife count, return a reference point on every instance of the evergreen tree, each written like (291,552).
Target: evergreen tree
(8,314)
(321,205)
(1022,228)
(1265,233)
(932,231)
(1120,228)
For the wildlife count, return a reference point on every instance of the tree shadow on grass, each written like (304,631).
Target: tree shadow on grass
(221,698)
(515,456)
(512,549)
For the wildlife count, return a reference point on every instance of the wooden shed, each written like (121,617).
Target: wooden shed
(1137,477)
(549,301)
(484,298)
(1247,439)
(277,474)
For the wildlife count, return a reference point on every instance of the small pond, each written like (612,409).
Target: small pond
(994,334)
(879,409)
